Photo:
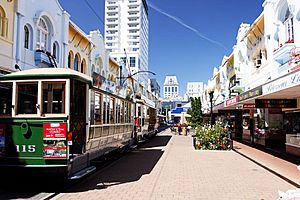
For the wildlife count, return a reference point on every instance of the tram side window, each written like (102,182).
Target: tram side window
(126,112)
(5,99)
(98,109)
(105,109)
(112,110)
(92,108)
(122,112)
(53,98)
(27,96)
(118,111)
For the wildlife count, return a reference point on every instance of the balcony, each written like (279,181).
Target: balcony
(282,54)
(237,87)
(42,59)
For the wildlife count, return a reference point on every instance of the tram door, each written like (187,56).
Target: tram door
(78,116)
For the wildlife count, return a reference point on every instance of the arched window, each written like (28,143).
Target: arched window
(76,62)
(3,23)
(42,34)
(70,59)
(55,51)
(289,26)
(26,37)
(83,66)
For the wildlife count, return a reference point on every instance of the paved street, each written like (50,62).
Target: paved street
(167,167)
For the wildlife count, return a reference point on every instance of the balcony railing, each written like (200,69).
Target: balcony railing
(282,54)
(42,59)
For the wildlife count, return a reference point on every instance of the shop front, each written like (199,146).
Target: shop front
(281,99)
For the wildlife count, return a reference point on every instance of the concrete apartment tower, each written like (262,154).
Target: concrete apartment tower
(126,35)
(171,87)
(194,89)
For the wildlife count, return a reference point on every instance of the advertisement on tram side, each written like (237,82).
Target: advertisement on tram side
(55,140)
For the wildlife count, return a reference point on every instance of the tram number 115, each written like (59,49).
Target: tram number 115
(25,148)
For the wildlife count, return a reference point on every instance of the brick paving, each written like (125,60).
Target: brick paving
(167,167)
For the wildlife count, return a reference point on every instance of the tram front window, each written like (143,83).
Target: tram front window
(5,99)
(27,94)
(53,98)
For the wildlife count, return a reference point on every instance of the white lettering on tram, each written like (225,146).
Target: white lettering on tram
(25,148)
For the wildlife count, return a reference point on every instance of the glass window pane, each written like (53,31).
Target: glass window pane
(27,98)
(5,99)
(53,98)
(98,108)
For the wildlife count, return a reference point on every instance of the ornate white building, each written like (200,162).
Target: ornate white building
(171,87)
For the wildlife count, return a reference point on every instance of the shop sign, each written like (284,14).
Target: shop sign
(55,130)
(276,103)
(251,93)
(282,83)
(249,106)
(231,101)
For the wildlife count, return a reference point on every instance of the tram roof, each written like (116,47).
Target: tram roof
(40,73)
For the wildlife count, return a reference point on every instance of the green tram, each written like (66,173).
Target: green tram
(55,120)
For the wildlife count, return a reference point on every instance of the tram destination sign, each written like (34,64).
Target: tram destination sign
(276,103)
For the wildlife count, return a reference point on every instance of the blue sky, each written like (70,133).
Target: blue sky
(187,38)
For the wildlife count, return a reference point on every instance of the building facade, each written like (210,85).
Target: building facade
(40,34)
(171,87)
(155,87)
(7,15)
(79,50)
(262,101)
(126,35)
(194,89)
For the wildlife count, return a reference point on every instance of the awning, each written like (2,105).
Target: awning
(177,110)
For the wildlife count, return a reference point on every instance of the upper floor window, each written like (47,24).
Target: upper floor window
(289,26)
(26,37)
(3,23)
(132,61)
(55,50)
(76,62)
(42,35)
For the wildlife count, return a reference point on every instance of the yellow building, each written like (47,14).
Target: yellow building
(79,50)
(113,70)
(6,35)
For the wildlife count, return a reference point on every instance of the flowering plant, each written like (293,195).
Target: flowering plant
(213,137)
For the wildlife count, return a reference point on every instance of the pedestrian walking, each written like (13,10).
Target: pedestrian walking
(179,130)
(188,129)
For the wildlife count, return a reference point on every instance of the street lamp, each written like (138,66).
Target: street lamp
(211,90)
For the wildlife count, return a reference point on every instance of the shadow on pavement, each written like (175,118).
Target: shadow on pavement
(129,168)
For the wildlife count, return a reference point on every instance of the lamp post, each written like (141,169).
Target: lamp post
(211,90)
